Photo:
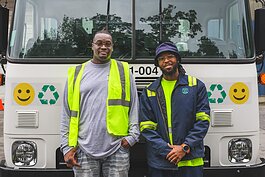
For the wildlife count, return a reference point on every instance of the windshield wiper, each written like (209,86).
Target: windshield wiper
(160,20)
(107,20)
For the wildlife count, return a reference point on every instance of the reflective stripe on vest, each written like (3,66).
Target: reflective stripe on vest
(202,116)
(192,81)
(74,78)
(150,93)
(191,163)
(118,100)
(148,125)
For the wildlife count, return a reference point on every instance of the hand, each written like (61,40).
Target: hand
(70,158)
(176,154)
(125,144)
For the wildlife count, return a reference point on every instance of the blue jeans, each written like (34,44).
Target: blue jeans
(116,165)
(181,172)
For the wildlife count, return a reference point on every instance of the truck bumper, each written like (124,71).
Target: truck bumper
(251,171)
(257,170)
(8,172)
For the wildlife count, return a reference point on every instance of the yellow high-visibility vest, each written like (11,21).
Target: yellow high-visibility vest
(118,101)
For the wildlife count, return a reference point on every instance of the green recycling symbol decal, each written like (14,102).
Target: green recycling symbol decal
(48,95)
(218,90)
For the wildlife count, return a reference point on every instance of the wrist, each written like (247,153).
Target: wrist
(185,148)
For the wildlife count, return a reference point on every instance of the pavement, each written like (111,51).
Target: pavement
(262,126)
(262,143)
(1,136)
(262,99)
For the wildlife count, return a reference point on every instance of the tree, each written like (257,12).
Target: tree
(208,48)
(170,22)
(72,39)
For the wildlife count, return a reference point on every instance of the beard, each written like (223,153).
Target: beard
(171,72)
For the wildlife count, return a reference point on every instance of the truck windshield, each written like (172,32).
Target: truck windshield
(64,29)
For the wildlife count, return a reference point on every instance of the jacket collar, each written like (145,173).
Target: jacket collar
(182,80)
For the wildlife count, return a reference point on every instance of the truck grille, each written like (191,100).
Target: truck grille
(142,82)
(221,118)
(27,119)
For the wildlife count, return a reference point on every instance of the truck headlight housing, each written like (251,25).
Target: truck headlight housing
(24,153)
(239,150)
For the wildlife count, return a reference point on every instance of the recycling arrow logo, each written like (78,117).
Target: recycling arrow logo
(219,95)
(48,95)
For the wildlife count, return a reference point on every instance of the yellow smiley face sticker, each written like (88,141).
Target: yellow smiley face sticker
(239,93)
(24,94)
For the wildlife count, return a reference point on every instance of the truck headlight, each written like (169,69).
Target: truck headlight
(239,150)
(24,153)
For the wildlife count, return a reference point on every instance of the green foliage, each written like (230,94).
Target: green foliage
(72,40)
(208,48)
(168,23)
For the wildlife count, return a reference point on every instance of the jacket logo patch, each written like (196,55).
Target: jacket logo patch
(185,91)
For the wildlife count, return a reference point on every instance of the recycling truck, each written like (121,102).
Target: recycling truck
(217,43)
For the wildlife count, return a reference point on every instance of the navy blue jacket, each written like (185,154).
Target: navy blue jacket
(190,120)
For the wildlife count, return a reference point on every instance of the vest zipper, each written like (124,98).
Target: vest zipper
(166,128)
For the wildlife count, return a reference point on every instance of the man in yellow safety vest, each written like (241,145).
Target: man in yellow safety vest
(100,114)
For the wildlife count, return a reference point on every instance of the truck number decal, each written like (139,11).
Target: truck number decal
(144,70)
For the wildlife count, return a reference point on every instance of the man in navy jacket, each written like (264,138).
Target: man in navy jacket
(174,118)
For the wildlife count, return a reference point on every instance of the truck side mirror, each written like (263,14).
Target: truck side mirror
(260,30)
(4,17)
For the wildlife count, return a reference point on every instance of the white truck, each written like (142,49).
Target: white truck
(217,44)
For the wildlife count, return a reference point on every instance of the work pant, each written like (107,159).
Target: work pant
(181,172)
(116,165)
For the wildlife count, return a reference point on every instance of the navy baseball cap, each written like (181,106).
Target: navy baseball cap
(167,47)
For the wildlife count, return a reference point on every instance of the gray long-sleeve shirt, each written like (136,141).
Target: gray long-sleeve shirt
(93,137)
